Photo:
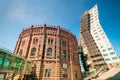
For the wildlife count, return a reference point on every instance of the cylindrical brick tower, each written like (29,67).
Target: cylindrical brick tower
(53,51)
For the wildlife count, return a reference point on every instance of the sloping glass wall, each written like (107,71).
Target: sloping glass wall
(12,63)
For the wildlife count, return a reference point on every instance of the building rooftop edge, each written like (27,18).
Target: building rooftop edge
(87,11)
(51,26)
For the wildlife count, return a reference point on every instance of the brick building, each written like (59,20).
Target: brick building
(53,51)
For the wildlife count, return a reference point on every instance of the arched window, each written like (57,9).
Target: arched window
(64,54)
(49,52)
(20,53)
(38,51)
(33,52)
(50,41)
(47,72)
(35,41)
(65,74)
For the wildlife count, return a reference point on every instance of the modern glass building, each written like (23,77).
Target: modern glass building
(11,64)
(95,43)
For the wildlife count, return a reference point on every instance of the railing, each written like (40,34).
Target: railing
(99,72)
(94,74)
(5,49)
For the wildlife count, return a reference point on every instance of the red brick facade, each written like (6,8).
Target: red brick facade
(53,51)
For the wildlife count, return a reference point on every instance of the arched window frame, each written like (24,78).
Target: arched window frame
(33,52)
(49,52)
(47,72)
(65,73)
(35,40)
(64,54)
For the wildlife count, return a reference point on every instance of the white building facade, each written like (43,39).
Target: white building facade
(95,43)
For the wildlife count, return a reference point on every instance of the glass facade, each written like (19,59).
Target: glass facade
(10,62)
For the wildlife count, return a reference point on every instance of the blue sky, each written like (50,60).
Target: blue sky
(18,14)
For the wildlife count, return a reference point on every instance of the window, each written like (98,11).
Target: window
(104,50)
(107,59)
(114,58)
(20,53)
(64,54)
(105,54)
(109,48)
(38,51)
(50,41)
(65,75)
(94,30)
(101,46)
(44,40)
(35,41)
(47,72)
(1,60)
(96,36)
(6,63)
(33,52)
(111,53)
(49,52)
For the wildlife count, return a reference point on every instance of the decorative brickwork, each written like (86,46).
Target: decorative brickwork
(53,51)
